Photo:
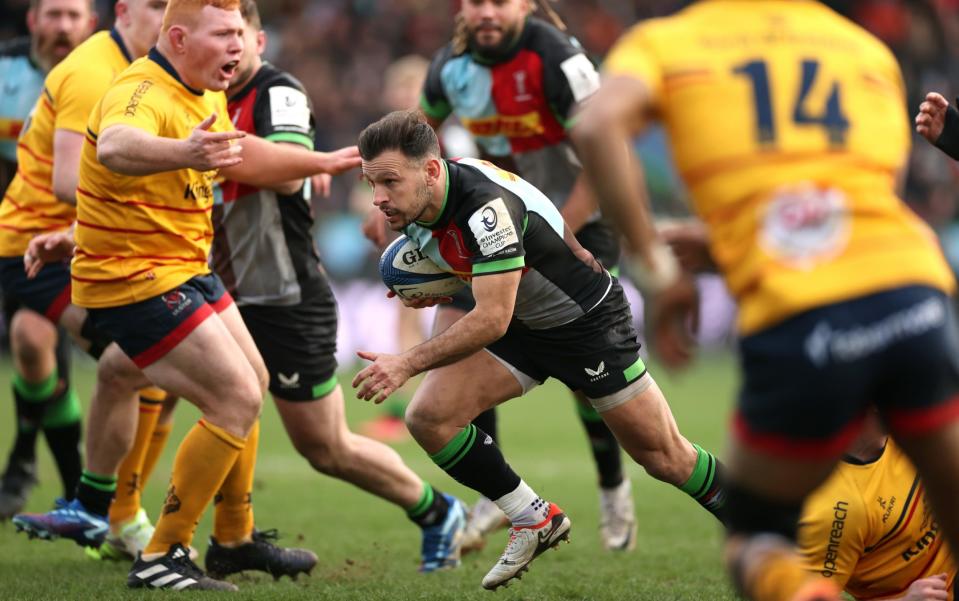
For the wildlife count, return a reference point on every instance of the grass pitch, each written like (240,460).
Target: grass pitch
(369,550)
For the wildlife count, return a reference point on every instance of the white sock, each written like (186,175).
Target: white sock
(523,506)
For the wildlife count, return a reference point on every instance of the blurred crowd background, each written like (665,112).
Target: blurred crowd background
(361,58)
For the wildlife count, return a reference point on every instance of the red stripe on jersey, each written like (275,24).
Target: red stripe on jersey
(33,184)
(33,153)
(123,278)
(520,99)
(140,203)
(121,230)
(149,257)
(34,211)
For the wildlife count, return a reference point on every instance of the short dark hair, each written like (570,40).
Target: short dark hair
(35,4)
(251,14)
(406,131)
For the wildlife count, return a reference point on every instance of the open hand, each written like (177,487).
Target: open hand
(208,150)
(383,377)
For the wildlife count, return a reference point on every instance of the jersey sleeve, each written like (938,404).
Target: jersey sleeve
(494,230)
(283,113)
(137,104)
(569,76)
(833,530)
(76,96)
(633,56)
(433,100)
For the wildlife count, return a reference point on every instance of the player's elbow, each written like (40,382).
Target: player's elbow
(590,126)
(109,155)
(495,322)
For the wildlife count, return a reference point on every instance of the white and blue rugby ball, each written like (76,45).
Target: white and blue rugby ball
(411,274)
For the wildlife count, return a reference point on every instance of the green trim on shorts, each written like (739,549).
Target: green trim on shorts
(292,137)
(498,266)
(425,502)
(455,449)
(614,271)
(635,370)
(64,411)
(36,392)
(324,388)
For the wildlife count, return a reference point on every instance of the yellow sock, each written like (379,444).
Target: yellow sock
(130,479)
(202,462)
(233,521)
(157,442)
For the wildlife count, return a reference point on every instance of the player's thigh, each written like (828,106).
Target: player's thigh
(457,393)
(316,423)
(208,367)
(233,322)
(47,294)
(297,344)
(645,427)
(31,332)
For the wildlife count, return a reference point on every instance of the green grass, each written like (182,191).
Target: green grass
(369,550)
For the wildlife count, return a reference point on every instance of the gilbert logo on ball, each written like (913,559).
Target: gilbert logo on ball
(411,274)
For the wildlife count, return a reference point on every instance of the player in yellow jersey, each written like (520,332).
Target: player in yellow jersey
(869,528)
(155,143)
(787,125)
(41,198)
(56,27)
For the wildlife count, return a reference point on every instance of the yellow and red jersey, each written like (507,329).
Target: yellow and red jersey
(70,91)
(869,528)
(140,236)
(788,124)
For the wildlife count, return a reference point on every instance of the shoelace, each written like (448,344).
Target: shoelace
(186,565)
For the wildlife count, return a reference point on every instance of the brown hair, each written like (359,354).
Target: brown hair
(91,4)
(251,14)
(184,12)
(406,131)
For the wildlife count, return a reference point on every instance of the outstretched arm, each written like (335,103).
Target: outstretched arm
(495,297)
(938,122)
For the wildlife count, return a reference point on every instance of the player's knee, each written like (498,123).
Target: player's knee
(248,403)
(32,336)
(325,456)
(667,467)
(422,417)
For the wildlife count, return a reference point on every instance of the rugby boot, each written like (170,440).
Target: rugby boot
(175,571)
(441,544)
(261,555)
(15,487)
(526,543)
(69,520)
(617,526)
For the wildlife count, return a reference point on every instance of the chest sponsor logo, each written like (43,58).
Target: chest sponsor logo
(176,301)
(840,512)
(923,542)
(805,225)
(526,125)
(493,228)
(289,106)
(581,75)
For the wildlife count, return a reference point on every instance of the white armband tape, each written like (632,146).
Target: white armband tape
(663,273)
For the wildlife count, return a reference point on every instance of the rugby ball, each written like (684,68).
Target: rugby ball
(411,274)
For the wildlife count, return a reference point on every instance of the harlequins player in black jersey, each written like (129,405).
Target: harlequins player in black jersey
(515,81)
(544,308)
(263,250)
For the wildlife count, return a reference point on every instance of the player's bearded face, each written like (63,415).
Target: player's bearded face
(214,47)
(58,26)
(400,190)
(492,25)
